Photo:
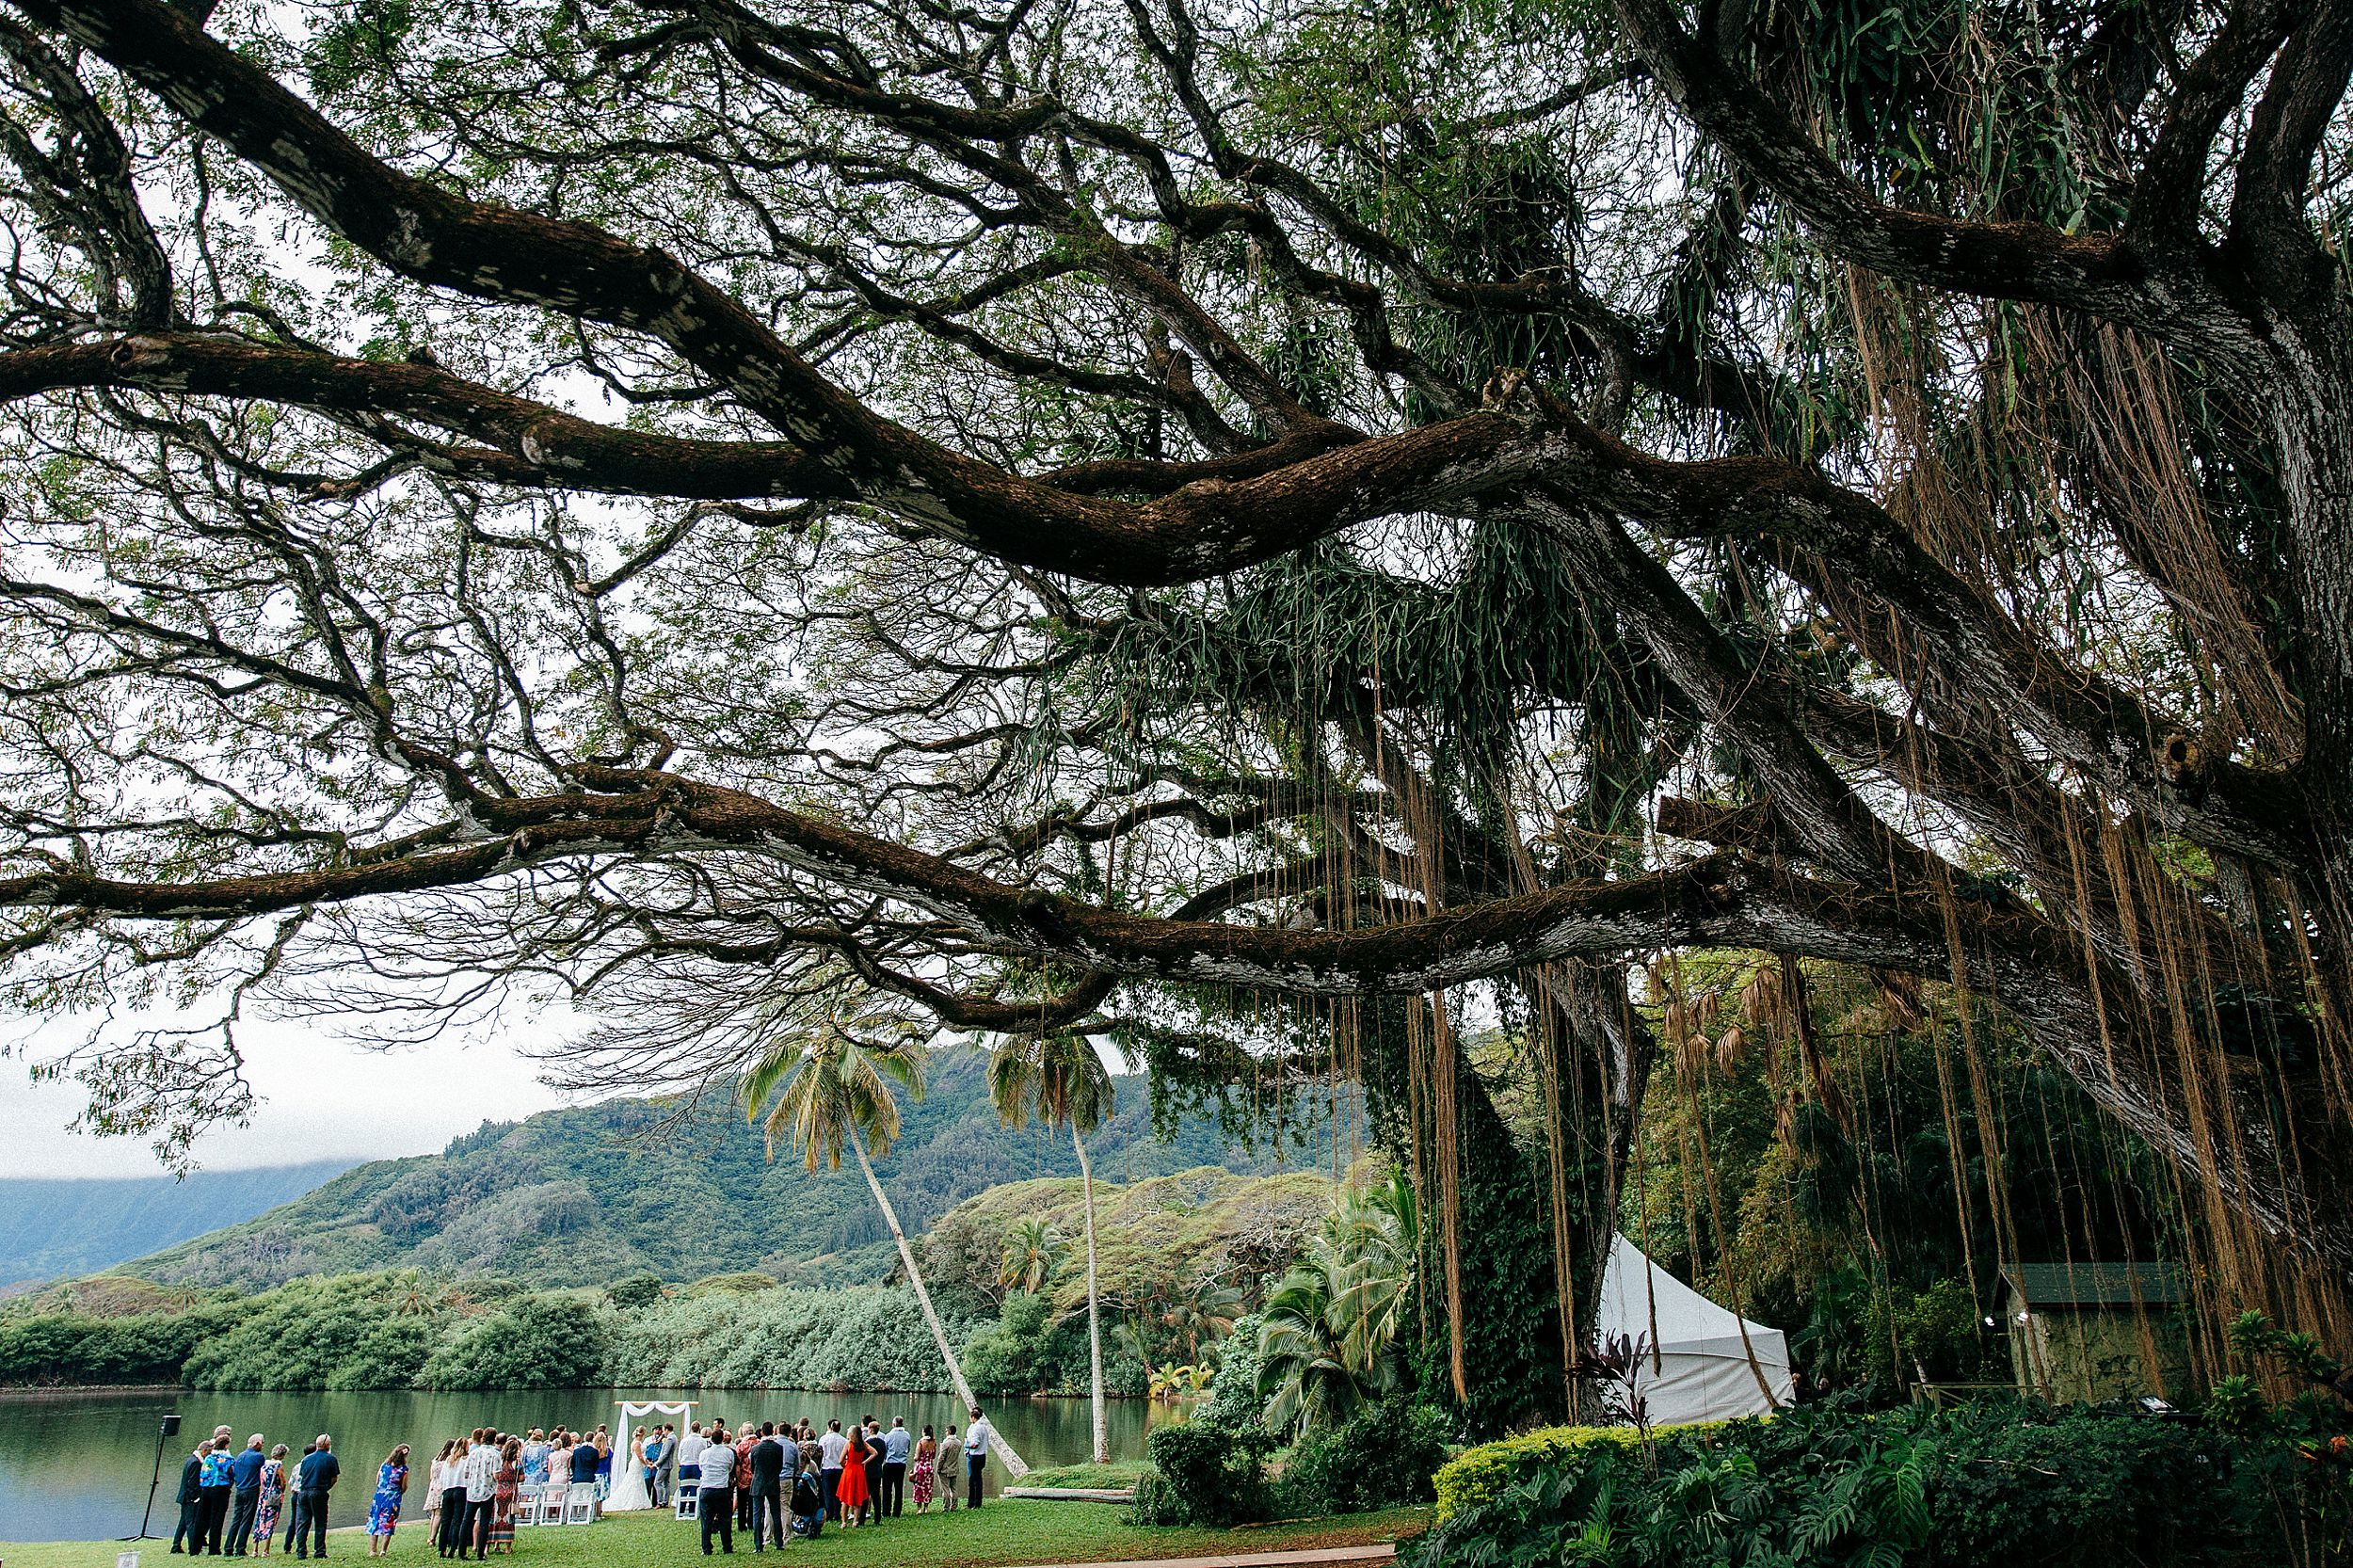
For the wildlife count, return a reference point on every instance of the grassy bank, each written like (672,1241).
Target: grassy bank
(1000,1535)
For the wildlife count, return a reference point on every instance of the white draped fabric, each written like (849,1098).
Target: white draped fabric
(628,1492)
(1706,1363)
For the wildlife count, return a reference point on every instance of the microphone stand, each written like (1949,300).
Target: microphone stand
(155,1482)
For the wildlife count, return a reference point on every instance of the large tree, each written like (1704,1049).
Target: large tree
(1175,525)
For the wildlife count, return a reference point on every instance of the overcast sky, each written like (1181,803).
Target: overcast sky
(323,1098)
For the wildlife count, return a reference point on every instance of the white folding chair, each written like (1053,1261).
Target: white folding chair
(579,1503)
(682,1504)
(527,1505)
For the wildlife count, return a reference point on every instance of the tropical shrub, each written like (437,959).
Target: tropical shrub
(1384,1457)
(865,1336)
(1234,1400)
(1977,1487)
(70,1347)
(315,1334)
(1011,1356)
(1204,1474)
(546,1341)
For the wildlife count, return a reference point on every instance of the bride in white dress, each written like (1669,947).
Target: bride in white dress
(629,1488)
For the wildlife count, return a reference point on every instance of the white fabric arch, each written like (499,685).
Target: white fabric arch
(683,1409)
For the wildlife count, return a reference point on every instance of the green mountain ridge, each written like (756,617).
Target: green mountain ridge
(596,1194)
(50,1228)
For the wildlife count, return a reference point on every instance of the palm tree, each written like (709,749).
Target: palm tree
(1329,1329)
(836,1089)
(1201,1312)
(1034,1255)
(1062,1082)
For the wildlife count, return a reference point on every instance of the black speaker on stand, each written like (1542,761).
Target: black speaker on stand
(167,1427)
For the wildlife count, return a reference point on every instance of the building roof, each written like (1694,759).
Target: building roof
(2091,1284)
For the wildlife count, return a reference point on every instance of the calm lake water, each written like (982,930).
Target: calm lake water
(76,1466)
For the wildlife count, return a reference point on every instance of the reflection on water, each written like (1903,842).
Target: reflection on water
(74,1466)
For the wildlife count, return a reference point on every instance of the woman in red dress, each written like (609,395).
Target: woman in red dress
(854,1491)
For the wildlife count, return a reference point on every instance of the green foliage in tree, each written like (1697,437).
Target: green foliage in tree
(1034,1253)
(628,1295)
(867,1337)
(1848,1190)
(1013,1357)
(540,1342)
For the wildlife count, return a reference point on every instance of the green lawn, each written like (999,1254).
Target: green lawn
(1019,1532)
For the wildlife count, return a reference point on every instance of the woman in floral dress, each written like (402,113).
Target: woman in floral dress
(504,1492)
(926,1470)
(273,1493)
(391,1480)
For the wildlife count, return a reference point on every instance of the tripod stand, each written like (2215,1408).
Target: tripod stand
(167,1427)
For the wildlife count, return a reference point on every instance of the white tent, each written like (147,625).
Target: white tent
(1704,1362)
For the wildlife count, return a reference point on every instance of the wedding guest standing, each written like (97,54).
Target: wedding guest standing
(218,1483)
(313,1479)
(765,1466)
(951,1484)
(830,1449)
(191,1501)
(898,1447)
(976,1438)
(266,1507)
(482,1486)
(294,1522)
(584,1458)
(871,1436)
(392,1484)
(926,1469)
(716,1501)
(503,1496)
(271,1503)
(436,1479)
(850,1492)
(245,1496)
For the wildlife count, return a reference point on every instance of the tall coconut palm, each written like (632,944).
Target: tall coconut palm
(1062,1082)
(834,1090)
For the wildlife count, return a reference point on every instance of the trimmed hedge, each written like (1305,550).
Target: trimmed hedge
(1482,1473)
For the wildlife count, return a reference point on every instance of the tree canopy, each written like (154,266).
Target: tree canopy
(1173,524)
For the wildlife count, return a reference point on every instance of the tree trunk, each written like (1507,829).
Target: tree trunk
(1095,1310)
(1015,1464)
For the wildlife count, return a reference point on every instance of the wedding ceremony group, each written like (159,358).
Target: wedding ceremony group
(778,1481)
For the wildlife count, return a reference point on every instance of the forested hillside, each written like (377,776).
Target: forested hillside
(606,1191)
(48,1228)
